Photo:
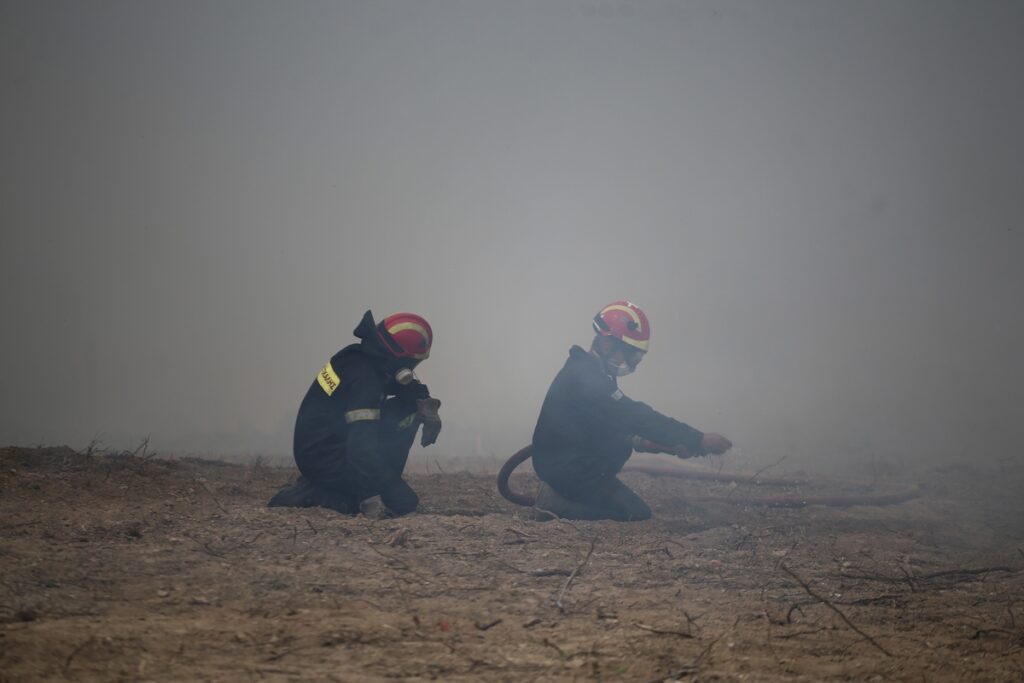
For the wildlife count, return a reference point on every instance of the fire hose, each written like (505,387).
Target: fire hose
(667,470)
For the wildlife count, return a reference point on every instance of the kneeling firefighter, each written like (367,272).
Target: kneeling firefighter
(588,428)
(359,419)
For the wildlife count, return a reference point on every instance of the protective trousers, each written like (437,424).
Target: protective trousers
(606,498)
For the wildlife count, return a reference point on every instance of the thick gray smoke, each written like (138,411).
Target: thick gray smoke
(819,206)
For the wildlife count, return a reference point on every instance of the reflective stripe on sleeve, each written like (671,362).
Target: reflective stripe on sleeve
(362,414)
(407,422)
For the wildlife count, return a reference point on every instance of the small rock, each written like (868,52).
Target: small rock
(26,614)
(399,538)
(484,625)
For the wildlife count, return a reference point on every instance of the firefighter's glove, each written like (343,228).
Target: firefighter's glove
(716,444)
(426,411)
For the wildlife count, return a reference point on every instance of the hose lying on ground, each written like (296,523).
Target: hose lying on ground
(667,470)
(521,456)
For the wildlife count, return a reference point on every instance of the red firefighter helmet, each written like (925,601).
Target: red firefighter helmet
(626,322)
(406,335)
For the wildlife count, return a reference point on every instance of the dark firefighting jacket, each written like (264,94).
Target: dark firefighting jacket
(342,412)
(586,425)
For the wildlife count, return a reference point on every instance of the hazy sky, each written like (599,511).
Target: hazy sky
(818,204)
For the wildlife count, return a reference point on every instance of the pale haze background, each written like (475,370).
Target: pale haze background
(819,205)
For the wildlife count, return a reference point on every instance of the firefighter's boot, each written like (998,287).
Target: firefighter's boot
(301,494)
(304,494)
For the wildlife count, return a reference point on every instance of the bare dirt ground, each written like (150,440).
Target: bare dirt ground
(115,567)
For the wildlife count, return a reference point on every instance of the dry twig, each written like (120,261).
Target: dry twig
(768,467)
(206,487)
(568,582)
(205,547)
(662,631)
(835,609)
(74,653)
(961,574)
(692,667)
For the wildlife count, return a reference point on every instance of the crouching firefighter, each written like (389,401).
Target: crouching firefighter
(359,418)
(588,428)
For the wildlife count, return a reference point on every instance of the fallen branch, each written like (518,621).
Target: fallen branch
(835,609)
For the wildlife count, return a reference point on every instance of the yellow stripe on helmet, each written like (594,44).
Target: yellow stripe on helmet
(637,343)
(410,326)
(418,329)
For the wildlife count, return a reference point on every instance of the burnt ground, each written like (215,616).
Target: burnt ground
(115,567)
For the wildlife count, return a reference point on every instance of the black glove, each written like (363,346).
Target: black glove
(426,411)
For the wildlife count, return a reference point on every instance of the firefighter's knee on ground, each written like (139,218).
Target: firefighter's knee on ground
(638,512)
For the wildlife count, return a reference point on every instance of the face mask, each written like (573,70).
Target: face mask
(625,364)
(620,370)
(404,375)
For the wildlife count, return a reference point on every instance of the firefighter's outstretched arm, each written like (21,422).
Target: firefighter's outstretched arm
(639,419)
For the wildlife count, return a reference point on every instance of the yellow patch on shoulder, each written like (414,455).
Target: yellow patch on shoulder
(328,379)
